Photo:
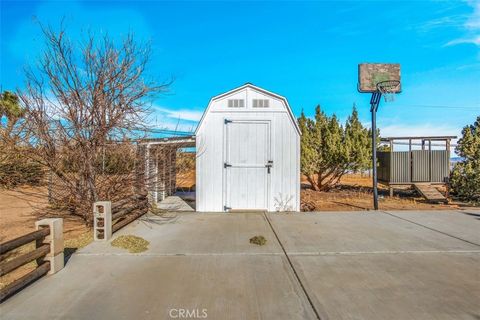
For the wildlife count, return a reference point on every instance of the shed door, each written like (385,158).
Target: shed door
(246,164)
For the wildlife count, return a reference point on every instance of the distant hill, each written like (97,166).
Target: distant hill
(456,159)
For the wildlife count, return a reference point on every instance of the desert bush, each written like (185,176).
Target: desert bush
(79,97)
(114,158)
(465,176)
(16,171)
(117,160)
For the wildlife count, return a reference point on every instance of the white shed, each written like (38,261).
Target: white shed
(248,153)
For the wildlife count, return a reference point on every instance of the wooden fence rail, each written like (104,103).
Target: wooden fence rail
(20,241)
(125,211)
(118,204)
(48,254)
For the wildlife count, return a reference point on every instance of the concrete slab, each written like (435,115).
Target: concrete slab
(352,265)
(461,224)
(393,286)
(174,203)
(314,233)
(199,234)
(149,287)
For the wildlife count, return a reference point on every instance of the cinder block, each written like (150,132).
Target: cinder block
(102,220)
(56,263)
(55,239)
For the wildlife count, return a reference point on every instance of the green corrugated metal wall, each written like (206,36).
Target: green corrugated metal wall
(414,166)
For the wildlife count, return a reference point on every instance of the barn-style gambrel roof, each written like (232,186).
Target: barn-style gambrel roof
(261,90)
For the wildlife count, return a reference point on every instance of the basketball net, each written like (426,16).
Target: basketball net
(388,89)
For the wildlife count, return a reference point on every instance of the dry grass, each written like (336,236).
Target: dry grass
(79,242)
(131,243)
(258,240)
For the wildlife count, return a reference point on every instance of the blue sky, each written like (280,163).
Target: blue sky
(306,51)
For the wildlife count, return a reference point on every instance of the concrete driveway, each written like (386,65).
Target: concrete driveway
(386,265)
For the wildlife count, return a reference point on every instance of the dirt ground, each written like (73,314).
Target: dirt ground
(353,193)
(19,209)
(186,181)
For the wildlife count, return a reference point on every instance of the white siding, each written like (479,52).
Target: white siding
(284,190)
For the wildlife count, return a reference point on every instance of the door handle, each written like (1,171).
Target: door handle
(269,165)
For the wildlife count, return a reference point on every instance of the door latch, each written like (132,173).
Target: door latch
(269,165)
(226,165)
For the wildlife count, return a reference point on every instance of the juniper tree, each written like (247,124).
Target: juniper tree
(10,113)
(14,168)
(358,142)
(329,150)
(465,176)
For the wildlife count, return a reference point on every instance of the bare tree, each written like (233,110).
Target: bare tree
(79,98)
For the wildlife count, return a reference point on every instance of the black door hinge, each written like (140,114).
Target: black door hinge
(225,208)
(226,165)
(227,121)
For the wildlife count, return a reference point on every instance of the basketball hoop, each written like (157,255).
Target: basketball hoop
(388,89)
(378,79)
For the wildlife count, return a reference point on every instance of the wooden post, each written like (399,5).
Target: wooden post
(162,164)
(447,145)
(155,192)
(173,170)
(410,158)
(430,160)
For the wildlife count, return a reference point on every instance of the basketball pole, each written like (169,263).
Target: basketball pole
(374,102)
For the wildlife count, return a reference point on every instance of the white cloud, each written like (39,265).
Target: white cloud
(471,27)
(474,20)
(182,114)
(425,130)
(165,118)
(174,125)
(474,40)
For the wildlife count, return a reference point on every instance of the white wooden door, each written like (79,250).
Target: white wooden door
(246,164)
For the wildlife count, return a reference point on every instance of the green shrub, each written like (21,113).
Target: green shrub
(465,176)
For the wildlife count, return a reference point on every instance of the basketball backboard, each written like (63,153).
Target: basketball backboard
(369,74)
